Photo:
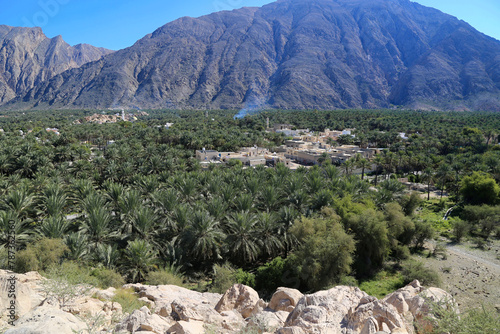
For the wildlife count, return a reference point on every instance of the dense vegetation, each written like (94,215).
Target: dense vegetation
(130,198)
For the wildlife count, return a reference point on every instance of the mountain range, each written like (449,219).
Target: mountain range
(290,54)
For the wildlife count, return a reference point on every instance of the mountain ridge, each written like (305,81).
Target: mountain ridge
(28,57)
(291,54)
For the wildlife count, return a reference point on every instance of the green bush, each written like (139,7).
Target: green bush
(108,278)
(326,252)
(414,270)
(446,320)
(128,300)
(71,272)
(223,278)
(480,188)
(460,229)
(165,276)
(244,277)
(270,275)
(40,255)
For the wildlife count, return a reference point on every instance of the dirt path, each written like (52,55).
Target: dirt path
(457,250)
(471,275)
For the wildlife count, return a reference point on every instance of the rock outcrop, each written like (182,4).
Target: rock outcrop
(173,309)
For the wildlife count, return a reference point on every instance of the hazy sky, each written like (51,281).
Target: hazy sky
(116,24)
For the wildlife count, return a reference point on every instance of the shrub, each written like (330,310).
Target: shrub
(446,320)
(423,231)
(40,255)
(72,272)
(244,277)
(326,252)
(460,229)
(270,275)
(223,278)
(480,188)
(128,300)
(165,276)
(107,278)
(66,282)
(439,251)
(414,270)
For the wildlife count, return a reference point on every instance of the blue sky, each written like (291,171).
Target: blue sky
(116,24)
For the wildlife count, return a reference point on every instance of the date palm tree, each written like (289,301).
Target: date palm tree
(269,198)
(363,163)
(140,259)
(107,255)
(10,226)
(78,246)
(242,238)
(202,238)
(268,228)
(428,175)
(19,201)
(244,202)
(53,227)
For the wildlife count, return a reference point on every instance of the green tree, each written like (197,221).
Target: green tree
(480,188)
(325,253)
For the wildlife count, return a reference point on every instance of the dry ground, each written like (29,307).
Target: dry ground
(471,275)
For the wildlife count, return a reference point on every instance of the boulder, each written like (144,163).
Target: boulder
(232,320)
(107,294)
(268,321)
(25,289)
(143,320)
(324,311)
(413,302)
(239,297)
(285,299)
(185,327)
(291,330)
(182,311)
(368,318)
(47,320)
(164,295)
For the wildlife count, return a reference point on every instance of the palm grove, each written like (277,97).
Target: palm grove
(129,200)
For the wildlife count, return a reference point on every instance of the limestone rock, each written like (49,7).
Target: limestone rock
(24,286)
(239,297)
(413,303)
(324,311)
(268,321)
(142,319)
(184,327)
(47,320)
(285,299)
(107,294)
(164,295)
(232,320)
(374,316)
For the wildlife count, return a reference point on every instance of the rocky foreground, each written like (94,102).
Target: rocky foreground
(173,309)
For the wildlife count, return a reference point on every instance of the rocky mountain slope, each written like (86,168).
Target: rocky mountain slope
(299,54)
(28,58)
(172,309)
